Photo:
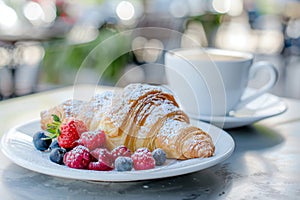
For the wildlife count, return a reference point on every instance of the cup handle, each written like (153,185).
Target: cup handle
(273,73)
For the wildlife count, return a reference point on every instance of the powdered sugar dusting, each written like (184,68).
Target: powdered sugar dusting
(96,107)
(71,107)
(170,129)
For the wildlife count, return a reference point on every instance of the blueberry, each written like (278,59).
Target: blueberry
(57,155)
(123,164)
(54,145)
(41,141)
(159,156)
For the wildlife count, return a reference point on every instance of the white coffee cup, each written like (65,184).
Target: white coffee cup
(211,82)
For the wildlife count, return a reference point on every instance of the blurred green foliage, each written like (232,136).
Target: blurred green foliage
(63,60)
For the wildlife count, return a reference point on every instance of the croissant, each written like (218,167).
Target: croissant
(138,116)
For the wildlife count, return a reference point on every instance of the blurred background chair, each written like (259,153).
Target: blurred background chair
(44,43)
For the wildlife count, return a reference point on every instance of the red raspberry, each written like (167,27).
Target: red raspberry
(120,151)
(95,153)
(101,153)
(100,166)
(80,127)
(143,159)
(92,139)
(78,158)
(105,160)
(143,150)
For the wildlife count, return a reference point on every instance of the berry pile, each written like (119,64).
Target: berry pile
(70,143)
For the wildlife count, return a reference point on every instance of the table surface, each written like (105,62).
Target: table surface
(264,165)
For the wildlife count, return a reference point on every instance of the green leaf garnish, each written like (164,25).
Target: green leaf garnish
(54,127)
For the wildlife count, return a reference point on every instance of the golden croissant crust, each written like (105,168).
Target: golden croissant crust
(139,116)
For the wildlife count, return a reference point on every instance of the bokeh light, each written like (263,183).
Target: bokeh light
(194,36)
(137,46)
(82,34)
(33,11)
(179,8)
(153,49)
(8,16)
(269,41)
(32,54)
(5,57)
(125,10)
(42,13)
(221,6)
(147,50)
(293,28)
(235,36)
(236,8)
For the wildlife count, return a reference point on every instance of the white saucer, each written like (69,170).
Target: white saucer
(263,107)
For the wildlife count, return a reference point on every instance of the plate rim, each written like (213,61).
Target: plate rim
(157,173)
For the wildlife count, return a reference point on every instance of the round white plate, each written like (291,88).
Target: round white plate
(263,107)
(18,147)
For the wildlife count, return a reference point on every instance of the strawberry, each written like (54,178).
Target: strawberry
(120,151)
(68,135)
(92,139)
(67,132)
(143,159)
(78,158)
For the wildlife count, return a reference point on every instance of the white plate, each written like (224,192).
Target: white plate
(17,146)
(263,107)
